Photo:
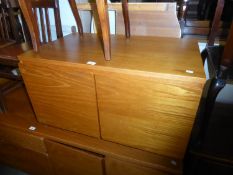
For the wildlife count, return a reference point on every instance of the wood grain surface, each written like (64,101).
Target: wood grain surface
(63,97)
(26,160)
(139,54)
(80,141)
(24,140)
(153,114)
(118,167)
(147,97)
(73,161)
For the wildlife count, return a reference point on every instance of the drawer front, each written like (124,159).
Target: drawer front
(62,96)
(26,160)
(72,161)
(22,139)
(148,113)
(119,167)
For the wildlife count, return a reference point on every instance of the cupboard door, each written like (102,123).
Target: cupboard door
(150,113)
(62,96)
(72,161)
(119,167)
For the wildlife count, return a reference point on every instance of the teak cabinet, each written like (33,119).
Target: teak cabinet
(144,98)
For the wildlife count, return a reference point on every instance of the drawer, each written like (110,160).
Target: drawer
(23,139)
(62,96)
(155,114)
(119,167)
(26,160)
(72,161)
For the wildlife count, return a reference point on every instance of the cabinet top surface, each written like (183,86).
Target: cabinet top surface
(149,54)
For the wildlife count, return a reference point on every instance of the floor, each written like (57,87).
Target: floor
(5,170)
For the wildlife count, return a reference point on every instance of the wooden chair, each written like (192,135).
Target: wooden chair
(205,28)
(11,38)
(142,20)
(129,24)
(30,11)
(5,33)
(101,7)
(214,29)
(30,14)
(227,57)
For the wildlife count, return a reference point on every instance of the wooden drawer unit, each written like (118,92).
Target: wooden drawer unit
(23,139)
(23,151)
(151,113)
(119,167)
(62,96)
(72,161)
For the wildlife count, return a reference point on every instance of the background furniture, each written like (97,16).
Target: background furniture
(199,24)
(210,148)
(146,19)
(11,38)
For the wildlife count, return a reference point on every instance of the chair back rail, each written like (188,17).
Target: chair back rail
(43,7)
(30,19)
(4,23)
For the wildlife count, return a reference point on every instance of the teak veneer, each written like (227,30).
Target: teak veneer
(60,143)
(146,97)
(141,54)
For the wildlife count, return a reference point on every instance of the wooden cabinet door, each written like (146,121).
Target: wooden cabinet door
(72,161)
(62,96)
(148,112)
(119,167)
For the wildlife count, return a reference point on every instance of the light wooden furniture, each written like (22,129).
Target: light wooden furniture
(146,93)
(93,116)
(56,151)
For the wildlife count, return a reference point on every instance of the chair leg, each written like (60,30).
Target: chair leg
(2,104)
(5,89)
